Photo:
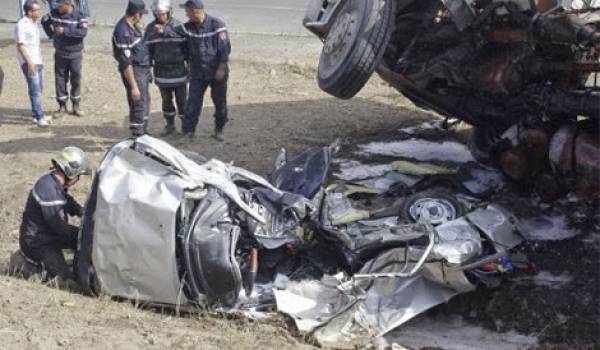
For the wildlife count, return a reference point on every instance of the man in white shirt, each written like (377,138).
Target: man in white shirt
(29,55)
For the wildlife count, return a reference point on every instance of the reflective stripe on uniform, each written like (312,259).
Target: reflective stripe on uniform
(170,80)
(47,203)
(127,46)
(60,20)
(165,40)
(204,35)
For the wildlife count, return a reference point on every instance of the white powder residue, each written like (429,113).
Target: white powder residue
(433,125)
(547,228)
(453,333)
(421,150)
(547,279)
(353,170)
(484,179)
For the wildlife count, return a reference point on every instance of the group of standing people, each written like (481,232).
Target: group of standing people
(194,53)
(67,28)
(183,59)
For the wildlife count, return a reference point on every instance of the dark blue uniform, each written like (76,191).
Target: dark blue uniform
(68,51)
(208,47)
(82,6)
(45,230)
(129,48)
(167,54)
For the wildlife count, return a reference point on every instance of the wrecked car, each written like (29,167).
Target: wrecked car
(174,228)
(522,73)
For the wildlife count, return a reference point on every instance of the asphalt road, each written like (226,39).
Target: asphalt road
(241,16)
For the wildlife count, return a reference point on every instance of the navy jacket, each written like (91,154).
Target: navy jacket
(45,217)
(128,46)
(82,5)
(207,46)
(167,54)
(70,43)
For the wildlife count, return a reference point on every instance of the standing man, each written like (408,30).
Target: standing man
(208,49)
(167,54)
(45,230)
(66,27)
(131,53)
(29,55)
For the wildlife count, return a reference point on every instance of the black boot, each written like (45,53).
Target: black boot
(76,110)
(218,135)
(62,110)
(168,130)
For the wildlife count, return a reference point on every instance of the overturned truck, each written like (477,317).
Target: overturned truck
(523,73)
(173,228)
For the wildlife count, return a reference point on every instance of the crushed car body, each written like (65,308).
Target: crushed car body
(518,71)
(349,263)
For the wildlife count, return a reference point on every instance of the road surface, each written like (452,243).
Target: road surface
(241,16)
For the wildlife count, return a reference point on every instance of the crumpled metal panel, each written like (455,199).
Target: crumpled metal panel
(312,303)
(209,251)
(500,226)
(134,235)
(142,184)
(375,306)
(213,172)
(344,319)
(458,242)
(392,303)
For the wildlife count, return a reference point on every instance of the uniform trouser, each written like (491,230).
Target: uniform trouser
(168,107)
(193,107)
(67,70)
(140,110)
(51,257)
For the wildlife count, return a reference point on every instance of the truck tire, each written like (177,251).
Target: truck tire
(354,46)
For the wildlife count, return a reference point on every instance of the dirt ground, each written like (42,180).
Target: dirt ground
(274,102)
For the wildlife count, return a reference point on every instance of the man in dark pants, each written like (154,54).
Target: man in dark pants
(66,27)
(167,54)
(130,51)
(45,230)
(208,50)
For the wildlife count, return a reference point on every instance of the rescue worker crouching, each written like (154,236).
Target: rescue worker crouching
(45,230)
(133,58)
(167,55)
(208,50)
(67,28)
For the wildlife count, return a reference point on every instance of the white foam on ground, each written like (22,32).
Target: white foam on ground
(547,279)
(384,183)
(484,179)
(354,170)
(422,127)
(547,228)
(379,176)
(446,151)
(453,333)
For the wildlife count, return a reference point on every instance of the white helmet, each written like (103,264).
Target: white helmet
(161,6)
(72,162)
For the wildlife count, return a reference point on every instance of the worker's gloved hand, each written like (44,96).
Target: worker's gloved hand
(73,208)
